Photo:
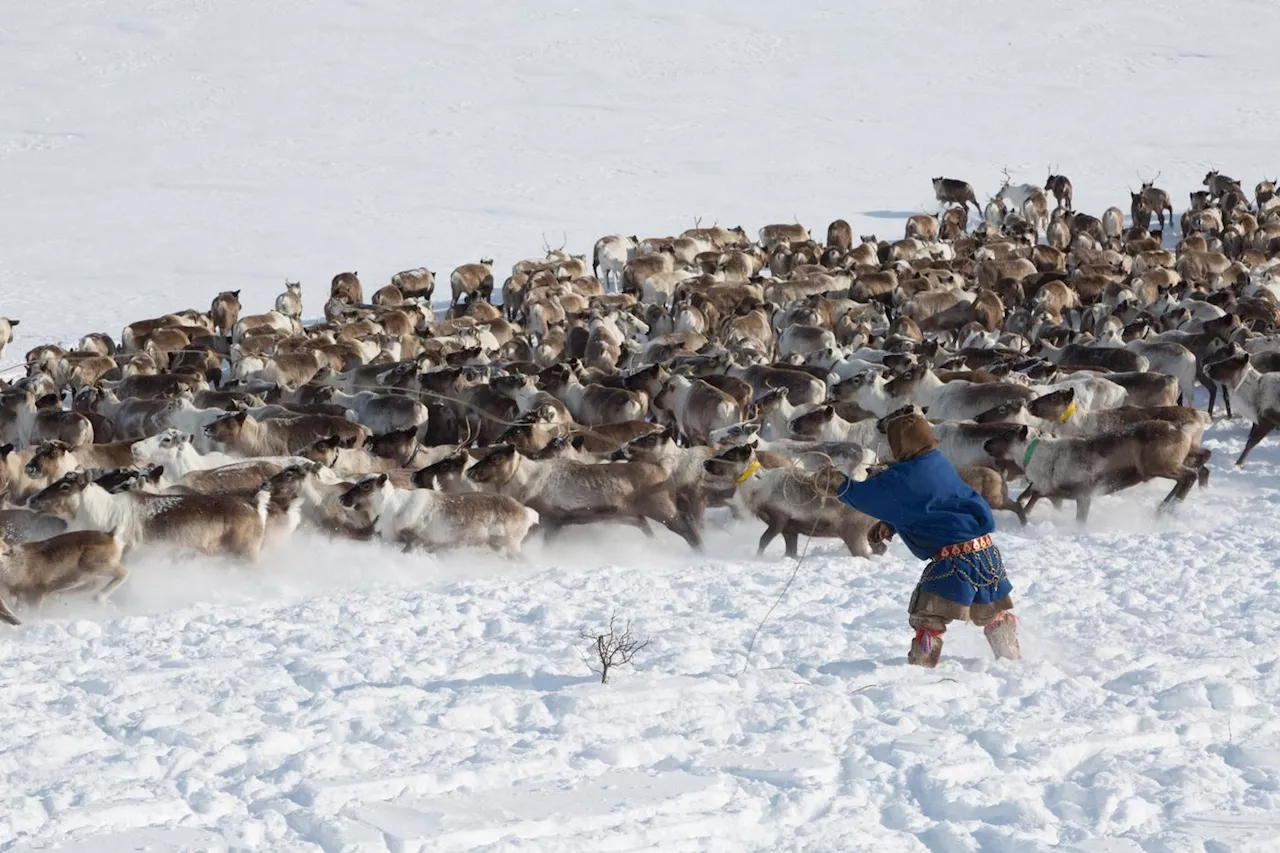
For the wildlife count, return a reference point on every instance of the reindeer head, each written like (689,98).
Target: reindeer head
(1055,406)
(1005,413)
(451,466)
(227,428)
(729,464)
(117,480)
(561,445)
(286,486)
(164,444)
(62,498)
(811,424)
(643,446)
(398,444)
(366,496)
(495,468)
(1010,445)
(1230,371)
(48,460)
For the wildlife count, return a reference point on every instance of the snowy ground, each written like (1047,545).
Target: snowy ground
(329,701)
(153,153)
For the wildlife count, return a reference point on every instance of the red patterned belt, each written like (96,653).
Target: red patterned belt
(964,548)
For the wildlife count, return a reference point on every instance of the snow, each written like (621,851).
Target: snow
(344,697)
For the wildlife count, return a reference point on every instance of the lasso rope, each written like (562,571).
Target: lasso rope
(791,476)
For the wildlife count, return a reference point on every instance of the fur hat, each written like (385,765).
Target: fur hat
(909,436)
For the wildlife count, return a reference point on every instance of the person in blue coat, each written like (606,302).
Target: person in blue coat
(943,520)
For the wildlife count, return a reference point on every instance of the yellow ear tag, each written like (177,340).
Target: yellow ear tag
(751,469)
(1071,410)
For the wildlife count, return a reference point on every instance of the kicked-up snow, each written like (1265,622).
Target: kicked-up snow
(344,697)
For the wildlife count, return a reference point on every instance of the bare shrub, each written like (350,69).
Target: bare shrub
(612,648)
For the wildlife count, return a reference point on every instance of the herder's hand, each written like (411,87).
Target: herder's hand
(882,532)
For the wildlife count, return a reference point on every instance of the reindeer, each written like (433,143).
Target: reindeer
(435,520)
(772,236)
(64,562)
(289,303)
(417,283)
(1060,186)
(951,191)
(840,235)
(6,333)
(1150,200)
(210,523)
(1081,468)
(1219,185)
(564,492)
(346,287)
(225,311)
(471,279)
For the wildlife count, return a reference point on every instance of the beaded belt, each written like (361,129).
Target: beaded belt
(969,547)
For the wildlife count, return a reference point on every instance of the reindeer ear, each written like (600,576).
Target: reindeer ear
(240,416)
(5,450)
(1022,432)
(382,480)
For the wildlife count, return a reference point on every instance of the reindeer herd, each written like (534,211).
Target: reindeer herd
(662,378)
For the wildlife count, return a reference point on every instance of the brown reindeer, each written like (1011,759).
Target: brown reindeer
(951,191)
(346,287)
(225,311)
(1060,186)
(473,279)
(69,561)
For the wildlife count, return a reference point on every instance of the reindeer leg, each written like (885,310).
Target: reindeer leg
(1257,433)
(792,541)
(680,526)
(1211,387)
(6,615)
(1082,508)
(1199,461)
(1030,496)
(770,533)
(1226,401)
(117,574)
(1186,482)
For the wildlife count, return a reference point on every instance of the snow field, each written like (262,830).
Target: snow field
(345,698)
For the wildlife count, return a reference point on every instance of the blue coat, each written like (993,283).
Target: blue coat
(931,507)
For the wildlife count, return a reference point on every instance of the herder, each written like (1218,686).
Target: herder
(941,519)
